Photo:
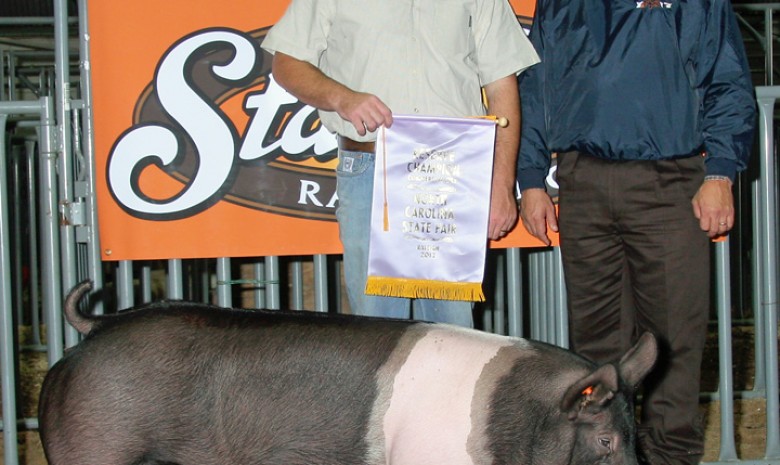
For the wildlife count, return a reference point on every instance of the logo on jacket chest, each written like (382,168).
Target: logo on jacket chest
(650,4)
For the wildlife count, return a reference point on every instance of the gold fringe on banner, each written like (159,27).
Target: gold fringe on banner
(424,289)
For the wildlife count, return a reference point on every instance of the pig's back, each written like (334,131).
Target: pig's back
(264,387)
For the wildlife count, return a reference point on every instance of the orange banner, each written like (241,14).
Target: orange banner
(199,154)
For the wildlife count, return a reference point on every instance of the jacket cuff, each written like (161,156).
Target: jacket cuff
(720,167)
(531,178)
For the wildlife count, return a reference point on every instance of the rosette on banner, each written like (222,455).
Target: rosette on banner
(430,208)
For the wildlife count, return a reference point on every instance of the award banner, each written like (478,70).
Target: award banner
(430,208)
(199,153)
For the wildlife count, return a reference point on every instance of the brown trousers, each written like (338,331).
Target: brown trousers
(636,260)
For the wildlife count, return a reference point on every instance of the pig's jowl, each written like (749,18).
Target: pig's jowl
(185,383)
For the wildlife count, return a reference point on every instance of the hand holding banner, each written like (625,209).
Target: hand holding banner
(430,208)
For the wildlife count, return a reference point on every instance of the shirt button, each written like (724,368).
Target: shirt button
(416,110)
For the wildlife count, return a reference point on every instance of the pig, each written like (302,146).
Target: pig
(185,383)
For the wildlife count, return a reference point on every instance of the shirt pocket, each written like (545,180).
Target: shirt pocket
(448,25)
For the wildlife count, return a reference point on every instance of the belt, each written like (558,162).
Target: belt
(345,143)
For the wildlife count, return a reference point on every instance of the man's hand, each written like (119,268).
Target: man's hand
(311,86)
(713,205)
(537,212)
(504,101)
(365,111)
(503,213)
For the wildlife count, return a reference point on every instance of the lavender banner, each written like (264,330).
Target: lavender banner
(430,208)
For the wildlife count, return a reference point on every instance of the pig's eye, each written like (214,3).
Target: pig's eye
(606,443)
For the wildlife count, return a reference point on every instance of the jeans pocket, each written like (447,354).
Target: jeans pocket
(352,164)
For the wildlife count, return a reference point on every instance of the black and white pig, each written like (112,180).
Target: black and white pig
(185,383)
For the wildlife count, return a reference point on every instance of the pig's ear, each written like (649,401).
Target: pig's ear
(594,389)
(638,361)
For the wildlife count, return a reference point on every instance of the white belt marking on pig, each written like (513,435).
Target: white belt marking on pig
(429,417)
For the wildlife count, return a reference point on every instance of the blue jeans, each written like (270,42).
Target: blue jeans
(355,183)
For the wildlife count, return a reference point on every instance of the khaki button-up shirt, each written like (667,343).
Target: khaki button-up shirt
(427,57)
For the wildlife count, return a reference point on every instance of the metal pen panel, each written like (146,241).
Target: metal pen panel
(769,262)
(561,309)
(539,294)
(514,274)
(321,283)
(224,283)
(42,108)
(94,264)
(273,298)
(296,273)
(175,285)
(48,220)
(259,293)
(553,299)
(500,317)
(124,285)
(65,180)
(759,318)
(728,450)
(32,220)
(7,328)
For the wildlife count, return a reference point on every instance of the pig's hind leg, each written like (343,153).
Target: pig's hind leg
(90,453)
(92,437)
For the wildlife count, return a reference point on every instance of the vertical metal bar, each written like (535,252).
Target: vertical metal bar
(296,271)
(6,316)
(146,284)
(728,450)
(11,76)
(514,276)
(769,45)
(499,321)
(17,244)
(65,163)
(767,215)
(124,285)
(486,311)
(541,283)
(541,286)
(321,283)
(272,285)
(337,266)
(537,294)
(759,380)
(224,287)
(175,288)
(3,76)
(487,320)
(770,274)
(552,300)
(93,238)
(260,289)
(561,312)
(32,220)
(51,282)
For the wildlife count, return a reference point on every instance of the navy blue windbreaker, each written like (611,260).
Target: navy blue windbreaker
(622,81)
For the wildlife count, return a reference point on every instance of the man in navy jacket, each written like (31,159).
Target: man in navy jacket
(649,109)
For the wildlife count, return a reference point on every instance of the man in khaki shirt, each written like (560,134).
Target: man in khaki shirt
(360,61)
